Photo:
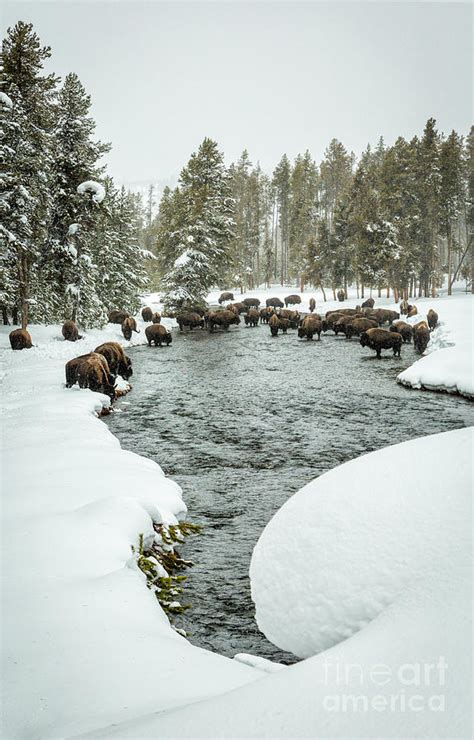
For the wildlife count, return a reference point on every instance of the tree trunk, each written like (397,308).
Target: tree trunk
(15,315)
(5,316)
(323,292)
(333,292)
(362,290)
(395,294)
(379,291)
(388,291)
(357,288)
(302,285)
(23,274)
(450,271)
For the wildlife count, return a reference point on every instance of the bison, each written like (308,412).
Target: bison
(237,308)
(274,324)
(369,303)
(251,318)
(147,314)
(421,336)
(341,295)
(70,332)
(265,314)
(158,334)
(156,318)
(328,323)
(312,304)
(118,317)
(129,325)
(191,320)
(379,339)
(355,327)
(341,324)
(117,360)
(432,318)
(404,307)
(404,329)
(292,300)
(343,312)
(20,339)
(93,372)
(226,296)
(251,302)
(309,327)
(412,311)
(274,302)
(222,318)
(283,324)
(384,315)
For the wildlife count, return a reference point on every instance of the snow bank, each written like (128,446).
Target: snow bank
(85,643)
(449,361)
(373,559)
(91,186)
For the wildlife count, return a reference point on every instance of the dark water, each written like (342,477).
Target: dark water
(241,421)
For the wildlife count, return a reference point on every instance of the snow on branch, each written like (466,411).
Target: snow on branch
(91,186)
(6,100)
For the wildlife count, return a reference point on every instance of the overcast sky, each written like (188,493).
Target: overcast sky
(273,77)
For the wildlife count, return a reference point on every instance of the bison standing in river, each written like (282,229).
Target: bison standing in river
(379,339)
(222,318)
(158,335)
(251,302)
(309,327)
(251,318)
(274,324)
(117,360)
(421,336)
(91,371)
(355,327)
(191,320)
(404,329)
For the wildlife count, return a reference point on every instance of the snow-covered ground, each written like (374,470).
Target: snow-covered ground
(86,648)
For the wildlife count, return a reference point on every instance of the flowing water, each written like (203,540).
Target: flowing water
(241,421)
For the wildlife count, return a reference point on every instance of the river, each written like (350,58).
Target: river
(241,421)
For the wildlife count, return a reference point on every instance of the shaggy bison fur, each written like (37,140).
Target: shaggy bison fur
(355,327)
(265,315)
(292,300)
(274,302)
(412,311)
(156,318)
(117,360)
(421,336)
(252,317)
(222,318)
(251,302)
(432,317)
(309,327)
(341,296)
(404,307)
(237,308)
(404,329)
(91,371)
(20,339)
(191,320)
(312,304)
(158,335)
(70,332)
(147,313)
(369,303)
(118,317)
(226,296)
(379,339)
(274,324)
(128,325)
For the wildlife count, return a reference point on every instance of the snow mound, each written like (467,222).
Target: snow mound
(91,186)
(342,549)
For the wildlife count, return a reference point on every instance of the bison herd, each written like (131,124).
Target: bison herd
(377,328)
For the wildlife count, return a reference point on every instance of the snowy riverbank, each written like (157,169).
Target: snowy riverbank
(88,650)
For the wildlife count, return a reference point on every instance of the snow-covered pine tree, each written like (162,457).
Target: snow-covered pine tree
(452,193)
(281,184)
(26,179)
(201,242)
(304,185)
(76,160)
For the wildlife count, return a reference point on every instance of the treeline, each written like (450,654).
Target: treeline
(70,239)
(400,218)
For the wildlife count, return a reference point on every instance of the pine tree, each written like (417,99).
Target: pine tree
(304,184)
(428,183)
(452,195)
(281,184)
(25,183)
(201,243)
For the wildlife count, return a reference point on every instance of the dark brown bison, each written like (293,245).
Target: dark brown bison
(265,314)
(340,326)
(343,312)
(341,296)
(191,320)
(156,318)
(274,302)
(70,332)
(384,315)
(117,360)
(292,300)
(283,324)
(222,318)
(369,303)
(20,339)
(251,318)
(118,317)
(432,317)
(355,327)
(379,339)
(274,323)
(309,327)
(312,304)
(404,307)
(197,309)
(251,302)
(128,325)
(328,323)
(404,329)
(412,311)
(421,336)
(226,296)
(93,372)
(147,314)
(237,308)
(158,335)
